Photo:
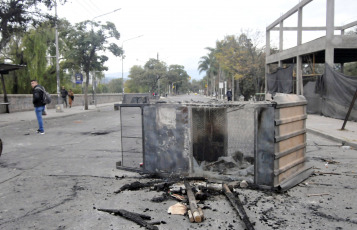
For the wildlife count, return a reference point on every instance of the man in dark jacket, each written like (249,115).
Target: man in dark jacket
(38,104)
(229,95)
(64,94)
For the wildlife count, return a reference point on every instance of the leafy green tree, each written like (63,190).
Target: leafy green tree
(196,86)
(350,69)
(14,52)
(85,41)
(154,71)
(115,86)
(240,58)
(177,77)
(18,15)
(35,44)
(31,49)
(136,82)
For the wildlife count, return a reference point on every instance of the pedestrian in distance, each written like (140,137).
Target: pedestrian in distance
(64,95)
(39,104)
(70,97)
(229,95)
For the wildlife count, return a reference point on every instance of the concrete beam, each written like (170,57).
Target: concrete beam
(319,28)
(337,42)
(289,13)
(309,47)
(344,41)
(314,28)
(349,25)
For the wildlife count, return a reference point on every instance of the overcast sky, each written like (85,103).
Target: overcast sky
(179,31)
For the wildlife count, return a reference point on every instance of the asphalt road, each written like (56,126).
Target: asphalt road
(60,179)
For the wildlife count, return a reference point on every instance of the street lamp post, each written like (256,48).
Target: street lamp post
(122,60)
(57,63)
(106,13)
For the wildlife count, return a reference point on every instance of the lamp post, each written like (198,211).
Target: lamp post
(57,63)
(106,13)
(122,59)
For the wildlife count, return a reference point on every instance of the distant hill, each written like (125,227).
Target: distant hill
(111,76)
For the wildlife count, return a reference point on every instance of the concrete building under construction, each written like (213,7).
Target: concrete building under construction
(330,49)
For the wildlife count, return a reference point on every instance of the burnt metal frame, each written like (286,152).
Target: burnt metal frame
(121,136)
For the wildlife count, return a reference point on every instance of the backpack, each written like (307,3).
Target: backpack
(46,97)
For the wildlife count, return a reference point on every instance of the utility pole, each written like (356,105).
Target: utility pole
(57,63)
(158,80)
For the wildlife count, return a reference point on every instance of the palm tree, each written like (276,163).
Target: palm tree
(209,64)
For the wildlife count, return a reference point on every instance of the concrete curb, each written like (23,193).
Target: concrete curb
(332,138)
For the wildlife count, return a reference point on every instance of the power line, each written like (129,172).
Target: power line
(94,5)
(85,6)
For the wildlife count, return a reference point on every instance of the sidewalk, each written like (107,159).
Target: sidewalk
(331,128)
(9,118)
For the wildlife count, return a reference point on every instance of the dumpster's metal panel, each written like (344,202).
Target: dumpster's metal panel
(166,138)
(264,155)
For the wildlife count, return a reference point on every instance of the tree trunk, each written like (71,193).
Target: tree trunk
(86,91)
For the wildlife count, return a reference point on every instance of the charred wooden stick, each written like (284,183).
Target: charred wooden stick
(193,203)
(135,217)
(137,185)
(158,184)
(190,216)
(237,204)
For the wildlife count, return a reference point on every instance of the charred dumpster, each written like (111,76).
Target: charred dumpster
(261,142)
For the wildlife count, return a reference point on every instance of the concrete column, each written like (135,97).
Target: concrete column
(267,70)
(330,24)
(267,53)
(299,90)
(267,43)
(281,36)
(299,31)
(281,41)
(299,84)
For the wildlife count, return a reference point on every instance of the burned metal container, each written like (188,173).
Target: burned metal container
(263,142)
(136,98)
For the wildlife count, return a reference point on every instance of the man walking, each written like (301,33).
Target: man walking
(229,95)
(64,95)
(38,104)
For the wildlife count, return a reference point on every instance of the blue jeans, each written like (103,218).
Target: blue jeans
(64,100)
(38,111)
